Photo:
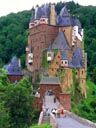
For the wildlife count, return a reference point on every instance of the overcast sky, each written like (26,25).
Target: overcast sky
(8,6)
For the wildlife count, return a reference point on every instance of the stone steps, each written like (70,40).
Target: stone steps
(46,119)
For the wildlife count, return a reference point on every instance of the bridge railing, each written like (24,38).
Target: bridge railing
(79,119)
(40,118)
(53,122)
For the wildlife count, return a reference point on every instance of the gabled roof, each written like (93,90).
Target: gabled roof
(60,42)
(64,55)
(77,60)
(50,80)
(13,68)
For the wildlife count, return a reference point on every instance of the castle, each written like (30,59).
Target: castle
(55,47)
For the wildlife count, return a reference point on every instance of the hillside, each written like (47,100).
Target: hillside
(85,107)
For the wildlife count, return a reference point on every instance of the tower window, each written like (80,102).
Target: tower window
(49,55)
(52,69)
(65,62)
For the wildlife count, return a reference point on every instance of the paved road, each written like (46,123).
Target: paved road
(63,122)
(67,122)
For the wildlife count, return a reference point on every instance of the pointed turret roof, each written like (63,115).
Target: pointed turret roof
(13,68)
(43,11)
(60,42)
(31,50)
(39,13)
(77,58)
(64,19)
(64,12)
(77,23)
(49,47)
(64,55)
(32,16)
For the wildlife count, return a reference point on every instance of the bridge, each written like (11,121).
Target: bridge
(66,120)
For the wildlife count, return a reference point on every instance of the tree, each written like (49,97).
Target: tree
(19,102)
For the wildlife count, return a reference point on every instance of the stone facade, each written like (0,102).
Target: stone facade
(54,88)
(65,35)
(65,100)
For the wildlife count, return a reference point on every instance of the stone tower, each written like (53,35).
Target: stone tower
(52,15)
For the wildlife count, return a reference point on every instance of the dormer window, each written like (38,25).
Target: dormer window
(43,20)
(30,58)
(49,55)
(64,63)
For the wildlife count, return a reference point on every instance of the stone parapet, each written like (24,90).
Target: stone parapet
(81,120)
(40,118)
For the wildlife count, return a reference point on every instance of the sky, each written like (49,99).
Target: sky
(8,6)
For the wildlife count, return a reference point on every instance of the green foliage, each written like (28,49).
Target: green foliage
(86,107)
(16,105)
(61,74)
(45,63)
(3,77)
(42,126)
(13,30)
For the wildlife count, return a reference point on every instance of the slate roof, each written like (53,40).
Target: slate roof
(64,12)
(31,50)
(50,80)
(64,55)
(39,13)
(77,60)
(32,16)
(60,42)
(13,68)
(49,47)
(77,23)
(64,19)
(43,11)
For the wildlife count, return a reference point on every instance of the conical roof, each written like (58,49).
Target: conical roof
(64,55)
(77,58)
(64,12)
(60,42)
(31,50)
(49,47)
(32,16)
(77,23)
(39,13)
(64,19)
(13,68)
